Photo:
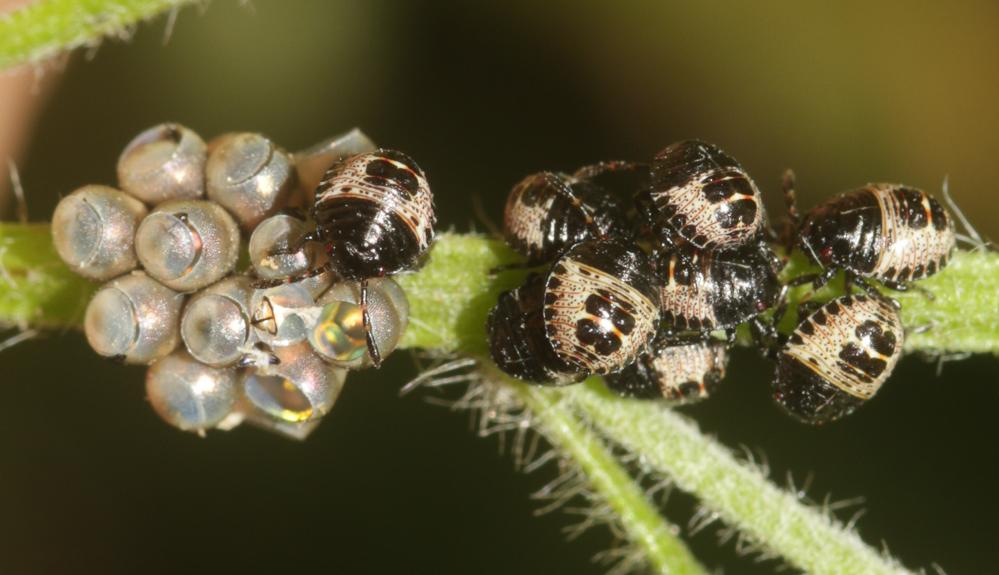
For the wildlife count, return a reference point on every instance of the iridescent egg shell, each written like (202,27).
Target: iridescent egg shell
(270,247)
(250,176)
(312,163)
(165,162)
(284,314)
(300,387)
(215,326)
(190,395)
(93,229)
(339,336)
(188,245)
(134,318)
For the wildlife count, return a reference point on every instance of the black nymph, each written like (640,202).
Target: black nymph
(701,195)
(888,232)
(374,213)
(595,311)
(837,358)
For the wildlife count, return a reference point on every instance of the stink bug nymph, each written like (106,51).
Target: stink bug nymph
(594,312)
(547,213)
(375,214)
(837,358)
(704,290)
(681,373)
(700,194)
(888,232)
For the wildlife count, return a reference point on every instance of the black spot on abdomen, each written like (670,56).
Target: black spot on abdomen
(910,206)
(859,359)
(381,172)
(731,214)
(940,217)
(592,335)
(874,335)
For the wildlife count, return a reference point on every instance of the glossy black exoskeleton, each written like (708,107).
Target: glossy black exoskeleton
(682,373)
(374,213)
(703,290)
(595,311)
(547,213)
(700,195)
(888,232)
(837,358)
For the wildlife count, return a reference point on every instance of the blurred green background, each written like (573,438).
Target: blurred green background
(92,482)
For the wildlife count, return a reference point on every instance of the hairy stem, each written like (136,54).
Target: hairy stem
(740,494)
(36,288)
(48,27)
(641,521)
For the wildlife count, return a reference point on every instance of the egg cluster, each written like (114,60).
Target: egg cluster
(209,280)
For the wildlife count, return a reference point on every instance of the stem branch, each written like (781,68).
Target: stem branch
(45,28)
(645,527)
(739,493)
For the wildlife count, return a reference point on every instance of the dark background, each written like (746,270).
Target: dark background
(92,482)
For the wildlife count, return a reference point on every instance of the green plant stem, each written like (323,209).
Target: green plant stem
(450,297)
(45,28)
(740,494)
(645,527)
(962,316)
(36,288)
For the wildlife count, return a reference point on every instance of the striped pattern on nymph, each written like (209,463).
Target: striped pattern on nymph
(684,296)
(388,179)
(689,372)
(852,342)
(704,196)
(683,373)
(918,234)
(597,317)
(541,210)
(527,207)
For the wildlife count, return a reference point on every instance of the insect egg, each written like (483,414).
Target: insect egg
(338,334)
(189,395)
(93,229)
(165,162)
(215,326)
(134,318)
(270,244)
(249,176)
(188,244)
(284,314)
(312,163)
(246,411)
(301,387)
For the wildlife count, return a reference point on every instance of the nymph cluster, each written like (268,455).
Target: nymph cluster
(645,262)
